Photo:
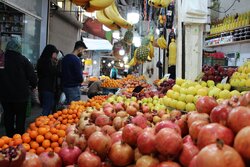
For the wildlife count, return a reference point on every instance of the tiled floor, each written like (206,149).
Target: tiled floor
(35,112)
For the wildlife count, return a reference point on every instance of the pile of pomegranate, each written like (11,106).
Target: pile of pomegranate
(119,135)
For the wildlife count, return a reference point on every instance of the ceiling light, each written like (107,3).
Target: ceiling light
(95,62)
(105,28)
(112,62)
(109,64)
(133,17)
(137,41)
(116,34)
(121,52)
(125,59)
(157,31)
(121,64)
(83,60)
(104,61)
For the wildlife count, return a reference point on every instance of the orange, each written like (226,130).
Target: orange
(1,143)
(53,130)
(54,145)
(34,145)
(46,143)
(26,146)
(65,111)
(38,123)
(40,150)
(60,118)
(60,140)
(70,121)
(18,141)
(26,134)
(17,136)
(59,113)
(11,143)
(6,139)
(48,135)
(49,149)
(32,126)
(64,116)
(39,139)
(42,131)
(50,116)
(57,149)
(63,127)
(33,134)
(70,112)
(5,146)
(55,115)
(61,133)
(32,150)
(70,116)
(54,138)
(26,139)
(64,121)
(73,116)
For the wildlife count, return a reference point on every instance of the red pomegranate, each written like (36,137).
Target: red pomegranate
(182,123)
(167,124)
(211,132)
(242,143)
(146,141)
(170,138)
(88,159)
(219,114)
(147,161)
(219,155)
(195,128)
(195,116)
(140,121)
(130,134)
(205,104)
(239,118)
(188,152)
(103,120)
(169,164)
(32,160)
(115,137)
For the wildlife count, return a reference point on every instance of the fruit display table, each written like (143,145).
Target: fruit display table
(109,90)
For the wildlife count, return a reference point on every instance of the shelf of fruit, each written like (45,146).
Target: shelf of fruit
(141,132)
(111,84)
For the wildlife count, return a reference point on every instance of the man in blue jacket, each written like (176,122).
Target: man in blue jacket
(72,73)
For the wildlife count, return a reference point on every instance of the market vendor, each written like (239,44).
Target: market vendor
(95,89)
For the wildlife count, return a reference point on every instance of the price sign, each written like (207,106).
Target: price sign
(224,81)
(166,76)
(198,78)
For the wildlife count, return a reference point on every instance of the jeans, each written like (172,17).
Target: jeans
(72,94)
(48,100)
(14,117)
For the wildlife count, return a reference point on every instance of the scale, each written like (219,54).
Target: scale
(232,58)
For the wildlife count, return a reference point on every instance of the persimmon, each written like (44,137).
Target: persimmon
(54,145)
(42,131)
(18,141)
(40,150)
(48,135)
(34,145)
(6,139)
(54,138)
(57,149)
(61,133)
(46,143)
(33,134)
(39,138)
(17,136)
(26,139)
(1,143)
(26,146)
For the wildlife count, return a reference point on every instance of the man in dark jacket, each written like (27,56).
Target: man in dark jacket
(16,78)
(72,73)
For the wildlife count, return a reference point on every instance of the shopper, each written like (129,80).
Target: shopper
(16,78)
(95,89)
(72,73)
(47,76)
(113,72)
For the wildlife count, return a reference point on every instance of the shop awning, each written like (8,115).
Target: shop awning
(98,44)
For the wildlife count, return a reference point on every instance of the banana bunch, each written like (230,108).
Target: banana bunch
(132,62)
(151,50)
(159,3)
(162,43)
(93,5)
(102,18)
(113,14)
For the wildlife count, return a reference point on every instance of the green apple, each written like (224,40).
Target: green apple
(166,100)
(220,86)
(180,105)
(198,86)
(179,81)
(203,84)
(214,92)
(190,107)
(210,83)
(155,102)
(183,91)
(227,86)
(242,83)
(133,98)
(176,88)
(225,94)
(155,98)
(176,95)
(173,103)
(196,98)
(182,97)
(235,93)
(248,83)
(202,91)
(156,119)
(189,98)
(170,93)
(191,91)
(150,99)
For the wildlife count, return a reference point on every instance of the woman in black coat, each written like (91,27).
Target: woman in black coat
(47,75)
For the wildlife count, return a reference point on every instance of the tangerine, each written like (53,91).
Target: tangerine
(42,131)
(32,151)
(40,150)
(34,145)
(26,146)
(48,135)
(54,145)
(57,149)
(26,139)
(17,136)
(61,133)
(54,138)
(39,139)
(33,134)
(46,143)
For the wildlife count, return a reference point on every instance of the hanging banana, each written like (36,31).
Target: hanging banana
(162,43)
(100,4)
(103,19)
